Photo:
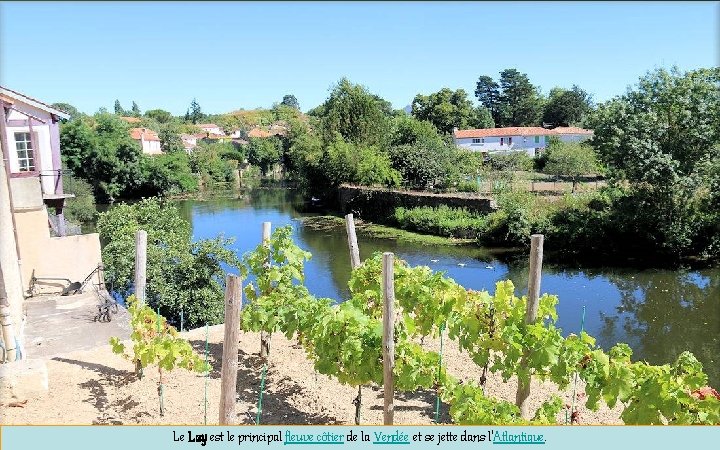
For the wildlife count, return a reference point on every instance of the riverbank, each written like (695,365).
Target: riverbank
(99,387)
(376,231)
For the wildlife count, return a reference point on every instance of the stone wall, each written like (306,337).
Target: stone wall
(378,204)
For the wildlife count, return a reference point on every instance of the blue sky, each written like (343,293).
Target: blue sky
(246,55)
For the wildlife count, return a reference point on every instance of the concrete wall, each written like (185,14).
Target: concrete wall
(26,193)
(379,204)
(71,257)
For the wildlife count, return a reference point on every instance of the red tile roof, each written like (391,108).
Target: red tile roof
(518,131)
(258,133)
(130,119)
(144,133)
(571,130)
(207,125)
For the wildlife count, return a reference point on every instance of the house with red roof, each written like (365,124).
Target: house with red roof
(531,140)
(148,139)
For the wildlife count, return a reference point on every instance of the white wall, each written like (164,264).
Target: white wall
(151,147)
(42,140)
(525,143)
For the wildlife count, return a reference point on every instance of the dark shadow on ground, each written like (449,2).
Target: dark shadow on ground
(276,409)
(427,396)
(97,395)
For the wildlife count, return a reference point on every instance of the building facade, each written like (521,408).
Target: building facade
(31,147)
(532,140)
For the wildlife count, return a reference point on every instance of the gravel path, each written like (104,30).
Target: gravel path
(98,387)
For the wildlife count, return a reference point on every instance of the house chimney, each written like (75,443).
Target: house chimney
(455,130)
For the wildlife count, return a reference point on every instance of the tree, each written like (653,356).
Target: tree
(446,109)
(355,113)
(487,91)
(135,109)
(264,153)
(170,141)
(119,109)
(520,102)
(291,101)
(407,130)
(68,108)
(483,118)
(571,160)
(195,113)
(182,275)
(662,137)
(160,115)
(566,107)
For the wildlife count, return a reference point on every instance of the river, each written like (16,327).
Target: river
(658,312)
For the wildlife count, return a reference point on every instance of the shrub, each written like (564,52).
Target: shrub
(442,221)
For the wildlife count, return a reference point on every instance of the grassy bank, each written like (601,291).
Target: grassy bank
(333,223)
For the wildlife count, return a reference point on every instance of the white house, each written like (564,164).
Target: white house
(148,139)
(210,128)
(531,140)
(189,142)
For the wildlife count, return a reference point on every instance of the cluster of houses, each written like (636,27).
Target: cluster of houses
(210,132)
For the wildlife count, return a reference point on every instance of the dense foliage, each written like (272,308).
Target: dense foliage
(182,276)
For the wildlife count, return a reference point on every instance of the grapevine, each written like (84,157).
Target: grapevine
(345,341)
(155,342)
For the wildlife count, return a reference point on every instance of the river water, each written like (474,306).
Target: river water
(658,312)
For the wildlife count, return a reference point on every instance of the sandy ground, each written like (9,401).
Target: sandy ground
(98,387)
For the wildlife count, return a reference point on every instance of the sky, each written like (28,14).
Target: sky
(232,55)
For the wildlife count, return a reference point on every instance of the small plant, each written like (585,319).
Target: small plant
(157,343)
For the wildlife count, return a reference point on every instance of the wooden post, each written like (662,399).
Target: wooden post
(264,336)
(352,241)
(140,265)
(388,287)
(354,263)
(228,387)
(533,296)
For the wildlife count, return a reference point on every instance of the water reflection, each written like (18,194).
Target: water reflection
(659,313)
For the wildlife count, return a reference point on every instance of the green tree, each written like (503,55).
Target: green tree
(166,175)
(135,109)
(487,91)
(291,101)
(264,153)
(571,160)
(182,275)
(119,109)
(446,109)
(520,102)
(170,141)
(68,108)
(566,107)
(662,137)
(483,118)
(355,113)
(159,115)
(195,113)
(407,130)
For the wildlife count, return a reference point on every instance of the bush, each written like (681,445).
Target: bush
(82,207)
(442,221)
(181,275)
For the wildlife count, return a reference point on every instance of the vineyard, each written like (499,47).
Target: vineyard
(350,342)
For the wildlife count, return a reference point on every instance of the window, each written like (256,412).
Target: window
(537,139)
(502,141)
(510,141)
(547,139)
(478,141)
(26,158)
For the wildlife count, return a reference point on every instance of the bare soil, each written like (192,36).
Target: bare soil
(98,387)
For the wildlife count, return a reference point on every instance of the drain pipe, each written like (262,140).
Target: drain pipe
(8,331)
